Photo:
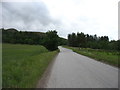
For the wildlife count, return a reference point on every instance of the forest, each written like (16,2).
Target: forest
(92,41)
(51,40)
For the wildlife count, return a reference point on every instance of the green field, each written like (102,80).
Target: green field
(109,57)
(0,65)
(23,65)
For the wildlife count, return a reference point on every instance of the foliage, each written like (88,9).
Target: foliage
(92,41)
(62,41)
(49,39)
(14,36)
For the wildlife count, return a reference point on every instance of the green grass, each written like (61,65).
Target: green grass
(0,65)
(109,57)
(23,65)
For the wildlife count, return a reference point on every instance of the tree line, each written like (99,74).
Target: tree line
(49,39)
(92,41)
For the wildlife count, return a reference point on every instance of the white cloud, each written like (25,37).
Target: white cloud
(89,16)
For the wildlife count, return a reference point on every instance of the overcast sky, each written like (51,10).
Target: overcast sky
(66,16)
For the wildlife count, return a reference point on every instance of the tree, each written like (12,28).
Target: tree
(62,41)
(81,39)
(91,41)
(104,40)
(69,39)
(51,40)
(74,40)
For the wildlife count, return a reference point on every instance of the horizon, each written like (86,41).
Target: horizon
(57,32)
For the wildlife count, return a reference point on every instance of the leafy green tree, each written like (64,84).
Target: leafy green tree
(69,39)
(74,40)
(62,41)
(81,39)
(51,40)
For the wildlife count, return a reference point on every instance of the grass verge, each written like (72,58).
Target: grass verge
(109,57)
(23,65)
(0,65)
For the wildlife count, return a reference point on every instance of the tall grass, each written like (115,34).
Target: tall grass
(23,65)
(0,66)
(109,57)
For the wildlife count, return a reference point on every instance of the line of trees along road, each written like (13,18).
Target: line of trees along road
(92,41)
(49,39)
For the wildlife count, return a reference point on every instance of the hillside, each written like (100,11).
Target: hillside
(15,36)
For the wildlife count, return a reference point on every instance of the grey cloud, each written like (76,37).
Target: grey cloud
(25,15)
(0,14)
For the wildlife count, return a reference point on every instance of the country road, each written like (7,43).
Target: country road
(71,70)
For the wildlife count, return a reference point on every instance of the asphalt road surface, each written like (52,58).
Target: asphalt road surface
(72,70)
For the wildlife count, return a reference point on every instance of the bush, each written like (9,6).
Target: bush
(51,40)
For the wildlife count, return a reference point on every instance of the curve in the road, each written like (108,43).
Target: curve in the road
(71,70)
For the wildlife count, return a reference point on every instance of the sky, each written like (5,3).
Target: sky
(66,16)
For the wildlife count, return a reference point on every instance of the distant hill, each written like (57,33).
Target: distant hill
(15,30)
(11,30)
(15,36)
